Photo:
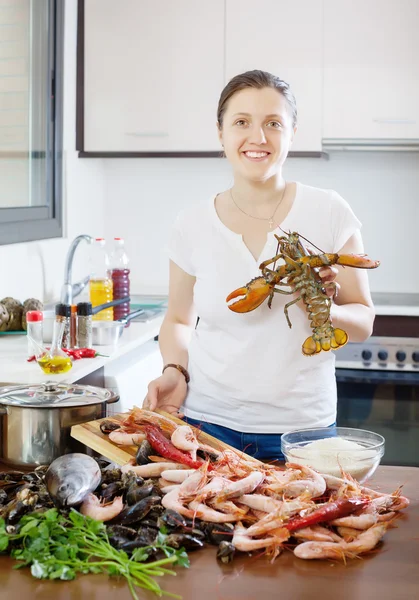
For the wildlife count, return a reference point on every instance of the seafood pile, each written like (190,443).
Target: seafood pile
(299,273)
(252,505)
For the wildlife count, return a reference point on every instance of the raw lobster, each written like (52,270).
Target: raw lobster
(299,273)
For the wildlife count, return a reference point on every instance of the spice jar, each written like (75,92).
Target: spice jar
(84,325)
(62,315)
(35,322)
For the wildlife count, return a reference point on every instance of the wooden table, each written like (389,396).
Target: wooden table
(389,573)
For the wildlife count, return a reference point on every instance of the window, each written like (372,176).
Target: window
(31,52)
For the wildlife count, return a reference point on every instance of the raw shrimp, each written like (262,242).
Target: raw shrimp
(122,438)
(172,501)
(275,518)
(260,502)
(243,542)
(365,541)
(151,469)
(240,487)
(363,521)
(177,475)
(314,484)
(316,533)
(190,486)
(204,512)
(93,508)
(184,438)
(348,534)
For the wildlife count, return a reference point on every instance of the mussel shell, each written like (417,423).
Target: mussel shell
(184,540)
(143,453)
(70,478)
(137,492)
(108,426)
(120,535)
(3,497)
(136,512)
(171,518)
(110,490)
(225,552)
(111,475)
(215,533)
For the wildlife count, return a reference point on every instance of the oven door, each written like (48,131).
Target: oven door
(385,402)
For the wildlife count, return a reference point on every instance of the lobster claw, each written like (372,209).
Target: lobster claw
(254,294)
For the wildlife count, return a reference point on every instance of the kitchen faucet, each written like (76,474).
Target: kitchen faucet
(69,290)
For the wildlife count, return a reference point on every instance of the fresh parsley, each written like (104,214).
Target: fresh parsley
(59,547)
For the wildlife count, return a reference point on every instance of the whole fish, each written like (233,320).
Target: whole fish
(71,477)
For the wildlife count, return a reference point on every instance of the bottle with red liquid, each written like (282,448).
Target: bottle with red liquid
(121,278)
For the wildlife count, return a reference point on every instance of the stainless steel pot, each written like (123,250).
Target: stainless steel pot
(107,333)
(36,420)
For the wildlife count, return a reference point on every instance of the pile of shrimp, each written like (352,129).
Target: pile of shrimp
(316,515)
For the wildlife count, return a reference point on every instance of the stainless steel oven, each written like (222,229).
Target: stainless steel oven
(378,388)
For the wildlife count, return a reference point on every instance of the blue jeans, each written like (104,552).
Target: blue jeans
(258,445)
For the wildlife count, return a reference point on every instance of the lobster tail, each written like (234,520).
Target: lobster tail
(312,346)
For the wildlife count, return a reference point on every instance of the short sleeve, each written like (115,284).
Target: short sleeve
(180,247)
(344,220)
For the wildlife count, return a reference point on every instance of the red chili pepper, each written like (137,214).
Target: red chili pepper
(166,449)
(328,512)
(77,353)
(31,358)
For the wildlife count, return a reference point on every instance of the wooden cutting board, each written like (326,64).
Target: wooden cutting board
(91,436)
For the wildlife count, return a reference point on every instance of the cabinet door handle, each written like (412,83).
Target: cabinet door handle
(147,133)
(395,121)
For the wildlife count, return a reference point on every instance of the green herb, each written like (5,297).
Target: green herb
(58,547)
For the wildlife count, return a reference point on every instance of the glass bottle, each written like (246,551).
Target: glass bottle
(120,277)
(55,361)
(63,315)
(100,284)
(84,325)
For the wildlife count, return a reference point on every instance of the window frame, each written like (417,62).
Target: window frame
(31,223)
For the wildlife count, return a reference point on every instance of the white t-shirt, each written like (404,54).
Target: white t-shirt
(247,370)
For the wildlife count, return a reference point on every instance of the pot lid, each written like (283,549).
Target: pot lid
(54,395)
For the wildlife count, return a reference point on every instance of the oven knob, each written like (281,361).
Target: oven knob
(415,357)
(366,355)
(400,355)
(383,355)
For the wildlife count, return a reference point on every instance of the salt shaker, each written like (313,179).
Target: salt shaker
(84,325)
(35,323)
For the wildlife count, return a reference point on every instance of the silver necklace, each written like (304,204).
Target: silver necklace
(269,219)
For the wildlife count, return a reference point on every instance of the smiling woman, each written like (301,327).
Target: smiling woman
(244,377)
(31,38)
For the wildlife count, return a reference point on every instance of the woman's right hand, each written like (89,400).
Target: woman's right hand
(167,392)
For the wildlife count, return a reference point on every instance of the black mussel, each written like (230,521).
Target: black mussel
(11,476)
(40,471)
(152,523)
(172,519)
(131,478)
(108,426)
(136,492)
(217,532)
(197,533)
(225,552)
(184,540)
(119,535)
(143,453)
(3,497)
(111,475)
(146,535)
(136,512)
(110,490)
(71,477)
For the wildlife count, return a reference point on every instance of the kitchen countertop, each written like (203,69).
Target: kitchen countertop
(15,369)
(389,572)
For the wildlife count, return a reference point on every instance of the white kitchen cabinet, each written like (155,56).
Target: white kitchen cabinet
(130,375)
(284,38)
(371,69)
(153,72)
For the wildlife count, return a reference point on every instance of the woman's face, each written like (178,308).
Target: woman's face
(257,132)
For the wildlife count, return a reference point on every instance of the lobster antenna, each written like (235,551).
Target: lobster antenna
(314,245)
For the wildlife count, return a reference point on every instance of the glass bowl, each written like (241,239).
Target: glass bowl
(336,452)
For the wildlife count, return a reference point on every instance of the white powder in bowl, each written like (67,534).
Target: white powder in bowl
(330,455)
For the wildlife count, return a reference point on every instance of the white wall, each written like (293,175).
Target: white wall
(139,198)
(36,269)
(144,195)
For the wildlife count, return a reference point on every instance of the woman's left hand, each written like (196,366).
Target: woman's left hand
(328,276)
